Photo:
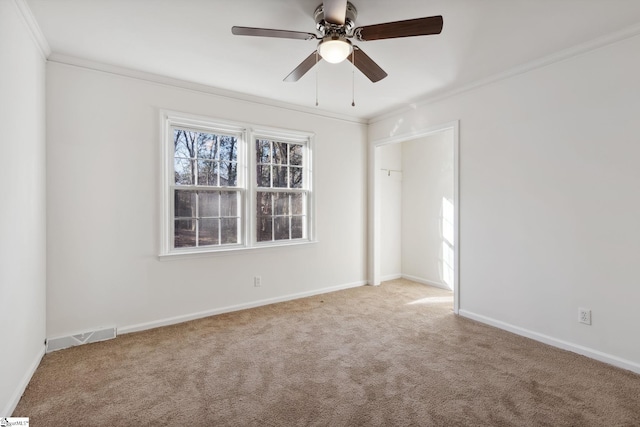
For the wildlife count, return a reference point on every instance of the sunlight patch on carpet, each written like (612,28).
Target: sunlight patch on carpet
(433,300)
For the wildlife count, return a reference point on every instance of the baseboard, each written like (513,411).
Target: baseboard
(555,342)
(193,316)
(17,394)
(426,282)
(391,277)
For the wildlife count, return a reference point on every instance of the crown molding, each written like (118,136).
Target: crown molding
(196,87)
(625,33)
(34,29)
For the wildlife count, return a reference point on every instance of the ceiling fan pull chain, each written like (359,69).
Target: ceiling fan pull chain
(353,80)
(316,78)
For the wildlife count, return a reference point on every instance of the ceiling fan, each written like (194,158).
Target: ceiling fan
(335,22)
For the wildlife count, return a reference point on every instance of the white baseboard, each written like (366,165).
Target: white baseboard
(391,277)
(17,394)
(187,317)
(426,282)
(555,342)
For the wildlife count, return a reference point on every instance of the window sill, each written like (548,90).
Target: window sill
(234,250)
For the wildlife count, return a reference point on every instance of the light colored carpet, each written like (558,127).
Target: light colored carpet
(388,355)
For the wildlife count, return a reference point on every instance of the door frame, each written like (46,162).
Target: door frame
(374,201)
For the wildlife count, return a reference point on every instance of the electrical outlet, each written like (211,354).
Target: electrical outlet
(584,316)
(257,281)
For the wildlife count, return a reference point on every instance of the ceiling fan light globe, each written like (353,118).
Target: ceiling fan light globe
(335,50)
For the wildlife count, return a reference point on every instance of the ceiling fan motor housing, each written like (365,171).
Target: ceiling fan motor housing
(328,29)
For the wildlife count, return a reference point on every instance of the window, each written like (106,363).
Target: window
(221,193)
(281,194)
(205,196)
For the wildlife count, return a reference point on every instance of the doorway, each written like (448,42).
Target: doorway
(413,205)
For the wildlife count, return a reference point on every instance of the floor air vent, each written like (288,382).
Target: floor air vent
(54,344)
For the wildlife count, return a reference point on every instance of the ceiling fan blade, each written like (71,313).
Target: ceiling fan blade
(304,66)
(365,64)
(409,28)
(335,11)
(267,32)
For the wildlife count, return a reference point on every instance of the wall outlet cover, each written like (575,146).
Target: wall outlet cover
(584,316)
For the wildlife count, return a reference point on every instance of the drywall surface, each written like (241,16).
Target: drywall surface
(22,206)
(427,209)
(390,199)
(103,162)
(549,200)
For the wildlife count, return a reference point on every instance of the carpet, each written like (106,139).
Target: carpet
(393,355)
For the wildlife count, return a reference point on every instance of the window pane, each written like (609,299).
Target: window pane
(295,177)
(263,204)
(208,232)
(281,224)
(229,148)
(229,230)
(263,151)
(263,175)
(295,154)
(184,143)
(207,148)
(297,204)
(184,204)
(280,153)
(263,232)
(280,177)
(228,174)
(208,204)
(281,204)
(184,233)
(207,173)
(296,227)
(183,171)
(229,203)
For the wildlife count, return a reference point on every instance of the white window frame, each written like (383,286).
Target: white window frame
(247,181)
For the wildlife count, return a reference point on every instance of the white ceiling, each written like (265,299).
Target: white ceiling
(191,40)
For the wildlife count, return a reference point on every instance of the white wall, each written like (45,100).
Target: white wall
(390,195)
(549,200)
(103,208)
(22,206)
(427,165)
